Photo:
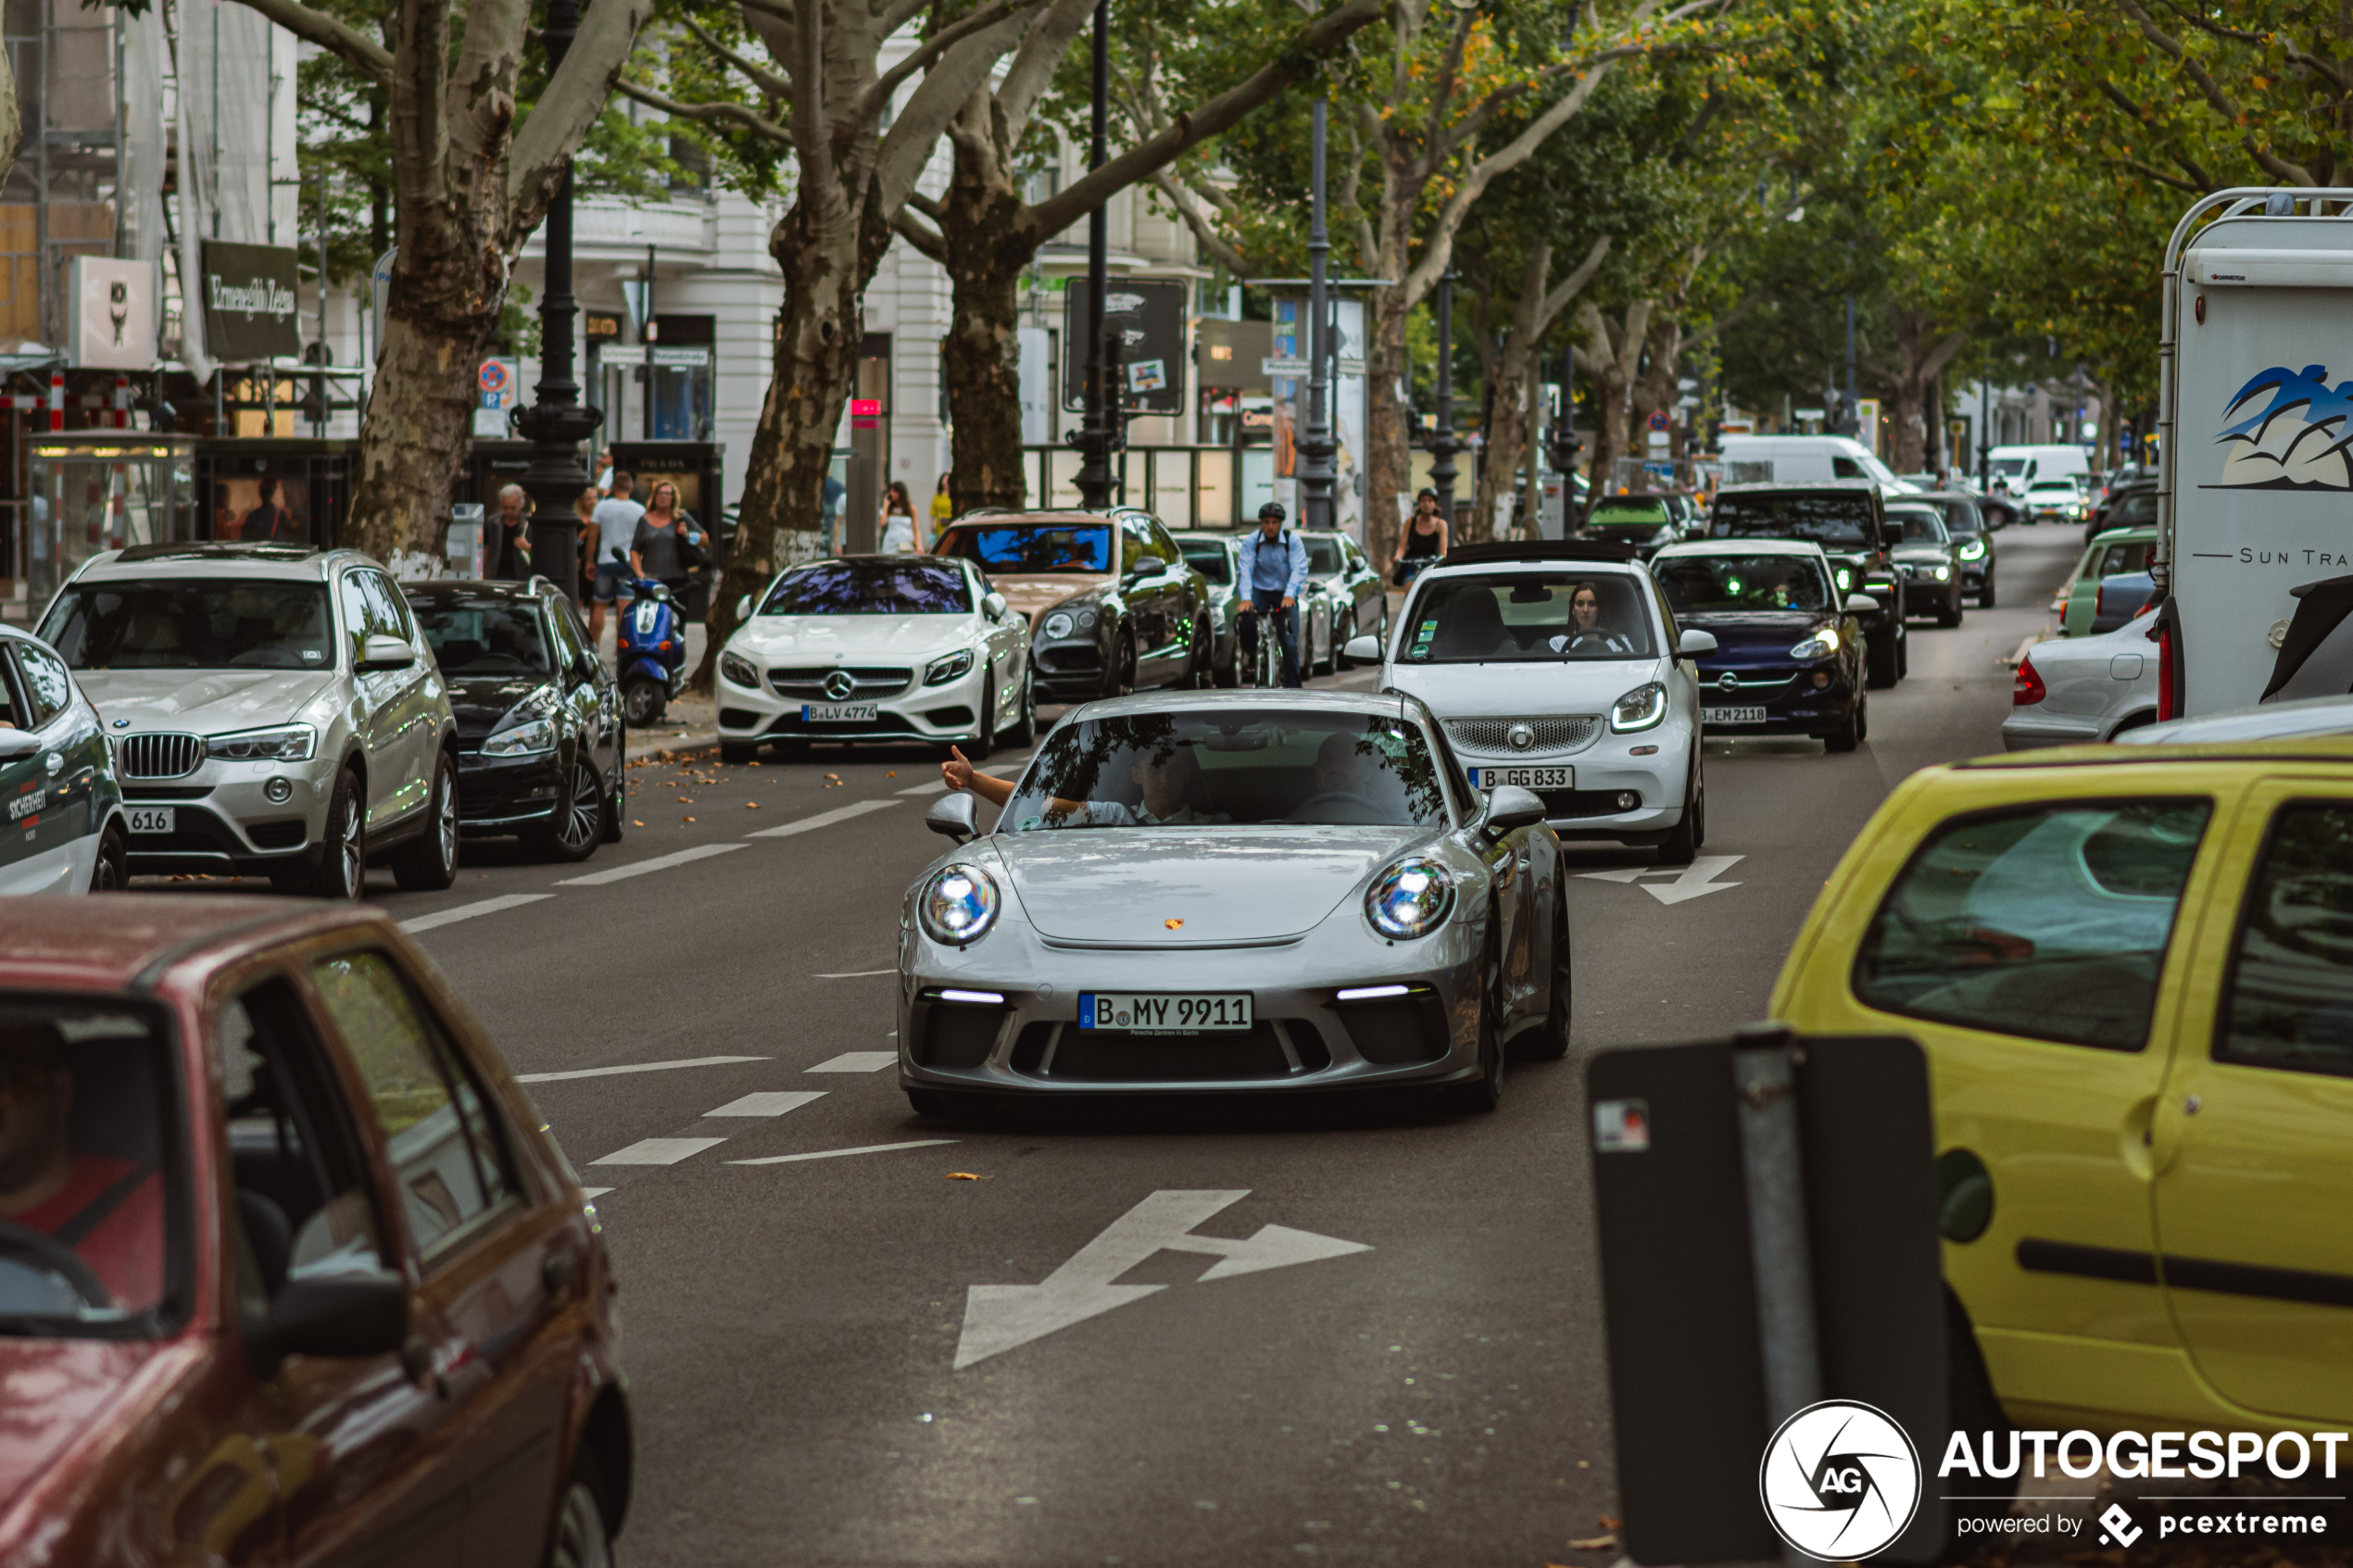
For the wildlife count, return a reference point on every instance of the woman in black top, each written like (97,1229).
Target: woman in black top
(1425,538)
(668,547)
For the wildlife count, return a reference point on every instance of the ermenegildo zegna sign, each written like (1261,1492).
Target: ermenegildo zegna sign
(249,308)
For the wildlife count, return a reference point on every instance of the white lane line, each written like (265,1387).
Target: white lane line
(769,1102)
(858,1061)
(639,868)
(838,1153)
(822,819)
(468,911)
(658,1151)
(639,1067)
(854,974)
(932,788)
(593,1193)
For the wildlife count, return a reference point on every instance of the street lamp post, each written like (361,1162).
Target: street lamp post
(556,423)
(1317,447)
(1096,435)
(1442,444)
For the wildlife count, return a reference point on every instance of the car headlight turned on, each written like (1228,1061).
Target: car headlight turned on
(957,905)
(1821,645)
(1058,624)
(1846,581)
(522,740)
(1973,550)
(738,670)
(1640,709)
(288,743)
(1411,898)
(1944,572)
(940,672)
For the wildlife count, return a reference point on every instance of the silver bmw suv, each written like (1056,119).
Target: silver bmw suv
(275,710)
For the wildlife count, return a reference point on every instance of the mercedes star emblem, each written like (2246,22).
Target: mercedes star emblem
(1520,737)
(840,683)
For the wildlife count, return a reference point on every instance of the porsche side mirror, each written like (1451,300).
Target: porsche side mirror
(1510,808)
(1364,649)
(743,607)
(954,815)
(992,604)
(1692,644)
(363,1313)
(1861,604)
(382,652)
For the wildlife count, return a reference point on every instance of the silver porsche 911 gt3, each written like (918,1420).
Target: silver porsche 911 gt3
(1195,891)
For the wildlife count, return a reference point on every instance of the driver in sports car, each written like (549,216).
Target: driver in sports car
(1164,780)
(108,1210)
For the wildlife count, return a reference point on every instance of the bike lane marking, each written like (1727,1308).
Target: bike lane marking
(823,819)
(637,1067)
(468,911)
(639,868)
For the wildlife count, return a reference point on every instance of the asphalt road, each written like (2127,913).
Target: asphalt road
(1435,1395)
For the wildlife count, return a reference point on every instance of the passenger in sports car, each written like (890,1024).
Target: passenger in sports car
(1165,780)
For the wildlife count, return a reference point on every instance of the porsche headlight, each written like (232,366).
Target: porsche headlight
(1973,550)
(1058,624)
(288,743)
(940,672)
(1821,645)
(958,905)
(1410,899)
(539,734)
(738,670)
(1640,709)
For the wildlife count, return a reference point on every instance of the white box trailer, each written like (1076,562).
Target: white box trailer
(2255,500)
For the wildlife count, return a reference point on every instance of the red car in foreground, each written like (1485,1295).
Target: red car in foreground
(290,1270)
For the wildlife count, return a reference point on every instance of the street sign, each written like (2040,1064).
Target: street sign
(1001,1317)
(1294,369)
(492,378)
(1683,1182)
(1149,315)
(1659,422)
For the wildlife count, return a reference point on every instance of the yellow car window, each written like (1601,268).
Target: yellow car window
(2049,923)
(2291,998)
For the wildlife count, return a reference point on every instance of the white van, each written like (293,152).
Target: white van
(1802,459)
(2021,466)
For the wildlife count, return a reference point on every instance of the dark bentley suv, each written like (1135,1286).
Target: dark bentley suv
(541,744)
(1847,519)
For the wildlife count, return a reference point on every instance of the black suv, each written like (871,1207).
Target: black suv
(542,747)
(1847,519)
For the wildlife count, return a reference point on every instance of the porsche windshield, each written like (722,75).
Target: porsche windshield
(1027,548)
(251,624)
(1744,584)
(95,1243)
(1510,617)
(1229,768)
(872,587)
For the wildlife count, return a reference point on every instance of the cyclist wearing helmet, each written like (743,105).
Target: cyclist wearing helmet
(1274,563)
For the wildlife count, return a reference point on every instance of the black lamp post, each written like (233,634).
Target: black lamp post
(556,424)
(1097,437)
(1442,444)
(1316,447)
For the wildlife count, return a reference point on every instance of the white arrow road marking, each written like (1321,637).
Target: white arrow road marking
(999,1317)
(1695,881)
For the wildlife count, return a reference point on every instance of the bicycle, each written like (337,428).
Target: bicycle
(1266,666)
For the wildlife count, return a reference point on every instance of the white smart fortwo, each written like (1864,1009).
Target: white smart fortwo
(878,648)
(1559,668)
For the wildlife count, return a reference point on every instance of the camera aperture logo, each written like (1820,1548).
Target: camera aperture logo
(1840,1480)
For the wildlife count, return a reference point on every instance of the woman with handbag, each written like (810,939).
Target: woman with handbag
(669,543)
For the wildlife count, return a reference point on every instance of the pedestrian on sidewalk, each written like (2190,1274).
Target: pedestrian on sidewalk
(668,545)
(616,518)
(943,505)
(507,553)
(899,536)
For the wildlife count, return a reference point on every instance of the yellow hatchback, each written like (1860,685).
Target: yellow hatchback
(2131,971)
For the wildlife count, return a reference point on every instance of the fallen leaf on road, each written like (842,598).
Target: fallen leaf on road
(1593,1543)
(635,823)
(1610,1521)
(752,805)
(685,800)
(964,1176)
(892,774)
(686,819)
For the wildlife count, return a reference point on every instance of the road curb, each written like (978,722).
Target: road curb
(677,747)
